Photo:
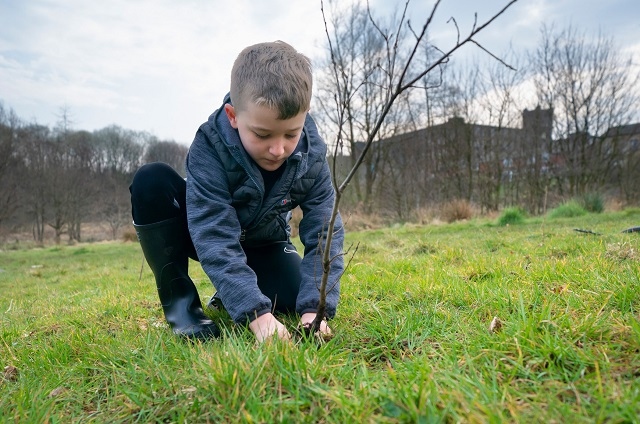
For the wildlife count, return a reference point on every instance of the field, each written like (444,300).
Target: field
(467,322)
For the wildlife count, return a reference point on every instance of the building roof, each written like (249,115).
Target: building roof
(623,130)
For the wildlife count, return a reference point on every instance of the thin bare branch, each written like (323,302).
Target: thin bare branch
(450,52)
(493,55)
(457,28)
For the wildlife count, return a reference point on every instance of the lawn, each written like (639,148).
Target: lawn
(467,322)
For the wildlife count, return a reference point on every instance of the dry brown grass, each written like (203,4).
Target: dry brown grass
(358,220)
(614,204)
(352,220)
(92,232)
(129,234)
(456,210)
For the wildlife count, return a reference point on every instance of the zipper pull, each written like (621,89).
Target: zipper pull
(242,234)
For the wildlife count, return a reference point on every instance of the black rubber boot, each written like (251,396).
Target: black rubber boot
(165,248)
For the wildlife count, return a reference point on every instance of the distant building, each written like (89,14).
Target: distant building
(494,166)
(477,147)
(628,136)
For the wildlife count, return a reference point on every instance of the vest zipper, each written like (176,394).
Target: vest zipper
(270,208)
(247,168)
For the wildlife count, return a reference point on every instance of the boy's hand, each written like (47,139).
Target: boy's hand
(266,326)
(307,319)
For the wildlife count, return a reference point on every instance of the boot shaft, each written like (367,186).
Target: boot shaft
(164,242)
(166,246)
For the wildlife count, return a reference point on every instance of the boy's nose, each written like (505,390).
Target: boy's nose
(277,148)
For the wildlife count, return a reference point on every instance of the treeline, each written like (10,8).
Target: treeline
(60,178)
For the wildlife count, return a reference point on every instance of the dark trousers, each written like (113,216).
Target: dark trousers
(158,193)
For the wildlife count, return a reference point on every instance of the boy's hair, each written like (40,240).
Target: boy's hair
(274,75)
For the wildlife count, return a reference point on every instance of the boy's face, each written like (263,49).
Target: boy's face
(268,140)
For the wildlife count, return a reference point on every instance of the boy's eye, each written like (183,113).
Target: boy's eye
(265,136)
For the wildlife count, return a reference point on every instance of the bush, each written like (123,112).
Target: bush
(592,202)
(511,216)
(457,210)
(568,210)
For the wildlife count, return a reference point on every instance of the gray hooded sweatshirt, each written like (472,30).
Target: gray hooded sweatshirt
(227,209)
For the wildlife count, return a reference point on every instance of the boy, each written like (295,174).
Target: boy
(254,160)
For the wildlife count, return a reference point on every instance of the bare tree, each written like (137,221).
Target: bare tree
(358,51)
(459,156)
(121,153)
(81,166)
(627,171)
(120,150)
(69,169)
(589,85)
(9,165)
(169,152)
(34,150)
(397,65)
(501,152)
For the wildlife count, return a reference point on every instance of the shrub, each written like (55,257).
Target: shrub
(568,210)
(592,202)
(511,216)
(456,210)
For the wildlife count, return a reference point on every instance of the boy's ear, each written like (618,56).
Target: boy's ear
(231,115)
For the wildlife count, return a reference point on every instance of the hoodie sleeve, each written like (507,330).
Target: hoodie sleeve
(215,231)
(316,209)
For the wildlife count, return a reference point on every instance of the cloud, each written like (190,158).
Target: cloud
(155,65)
(163,66)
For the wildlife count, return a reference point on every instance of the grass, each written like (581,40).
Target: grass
(512,216)
(82,339)
(570,209)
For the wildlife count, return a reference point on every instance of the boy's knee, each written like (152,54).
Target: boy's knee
(150,173)
(151,178)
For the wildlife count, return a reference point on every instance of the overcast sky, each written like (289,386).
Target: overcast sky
(163,66)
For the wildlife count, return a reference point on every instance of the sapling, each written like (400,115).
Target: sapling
(402,71)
